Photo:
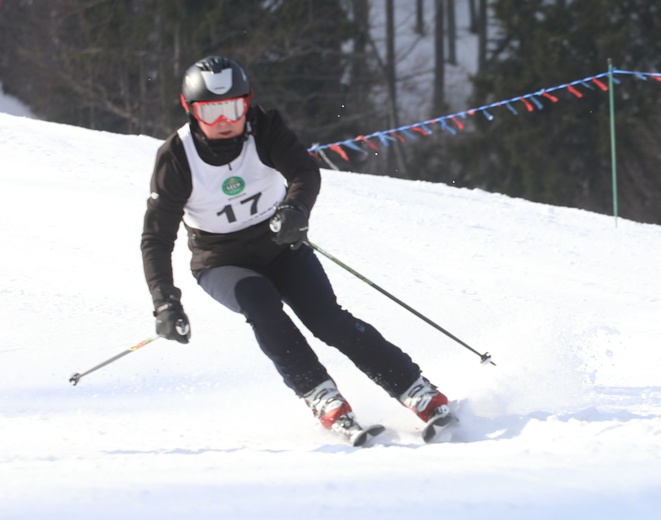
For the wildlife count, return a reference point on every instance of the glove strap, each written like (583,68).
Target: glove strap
(164,307)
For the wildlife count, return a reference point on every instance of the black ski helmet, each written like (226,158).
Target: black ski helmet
(213,78)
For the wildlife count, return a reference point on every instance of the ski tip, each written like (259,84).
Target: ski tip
(439,430)
(364,438)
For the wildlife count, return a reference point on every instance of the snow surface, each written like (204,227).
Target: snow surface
(567,425)
(11,105)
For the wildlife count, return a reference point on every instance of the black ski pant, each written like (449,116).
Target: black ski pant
(297,278)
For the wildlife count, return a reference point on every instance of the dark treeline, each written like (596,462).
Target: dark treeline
(116,65)
(561,155)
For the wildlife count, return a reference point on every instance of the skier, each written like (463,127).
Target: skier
(244,187)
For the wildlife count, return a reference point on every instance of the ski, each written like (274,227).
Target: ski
(440,429)
(357,436)
(365,436)
(435,431)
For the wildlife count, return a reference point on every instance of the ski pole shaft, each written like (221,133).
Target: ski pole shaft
(485,358)
(74,379)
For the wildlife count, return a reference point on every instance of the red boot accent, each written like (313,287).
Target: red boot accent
(328,419)
(432,408)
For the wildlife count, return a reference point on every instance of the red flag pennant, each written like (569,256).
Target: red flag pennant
(459,124)
(528,105)
(339,151)
(365,140)
(574,91)
(549,96)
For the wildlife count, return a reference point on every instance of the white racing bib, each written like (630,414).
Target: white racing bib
(226,200)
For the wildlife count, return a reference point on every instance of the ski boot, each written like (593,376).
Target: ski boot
(335,414)
(425,400)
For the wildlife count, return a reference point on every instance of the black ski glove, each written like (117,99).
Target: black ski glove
(171,320)
(290,224)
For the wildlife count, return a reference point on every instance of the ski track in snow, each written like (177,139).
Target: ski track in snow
(567,425)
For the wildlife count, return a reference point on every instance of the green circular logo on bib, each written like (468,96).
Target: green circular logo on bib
(233,186)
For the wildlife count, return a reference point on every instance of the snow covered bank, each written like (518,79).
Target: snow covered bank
(567,425)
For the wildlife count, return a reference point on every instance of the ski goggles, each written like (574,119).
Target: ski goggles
(210,112)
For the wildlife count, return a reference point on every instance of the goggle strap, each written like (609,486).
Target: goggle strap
(183,102)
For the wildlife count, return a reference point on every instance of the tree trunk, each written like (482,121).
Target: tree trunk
(390,51)
(473,24)
(359,63)
(482,36)
(452,33)
(439,64)
(396,162)
(420,17)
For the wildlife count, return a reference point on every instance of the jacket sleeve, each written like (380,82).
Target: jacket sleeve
(279,148)
(171,187)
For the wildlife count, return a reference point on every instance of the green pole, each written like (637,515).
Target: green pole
(613,153)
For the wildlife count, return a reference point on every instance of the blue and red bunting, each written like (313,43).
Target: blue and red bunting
(453,123)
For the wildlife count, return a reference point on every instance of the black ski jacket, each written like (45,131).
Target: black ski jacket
(171,186)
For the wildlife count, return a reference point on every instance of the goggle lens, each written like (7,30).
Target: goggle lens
(210,112)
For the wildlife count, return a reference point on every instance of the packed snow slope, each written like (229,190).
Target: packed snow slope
(566,425)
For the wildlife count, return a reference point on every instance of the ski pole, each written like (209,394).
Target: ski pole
(485,358)
(76,377)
